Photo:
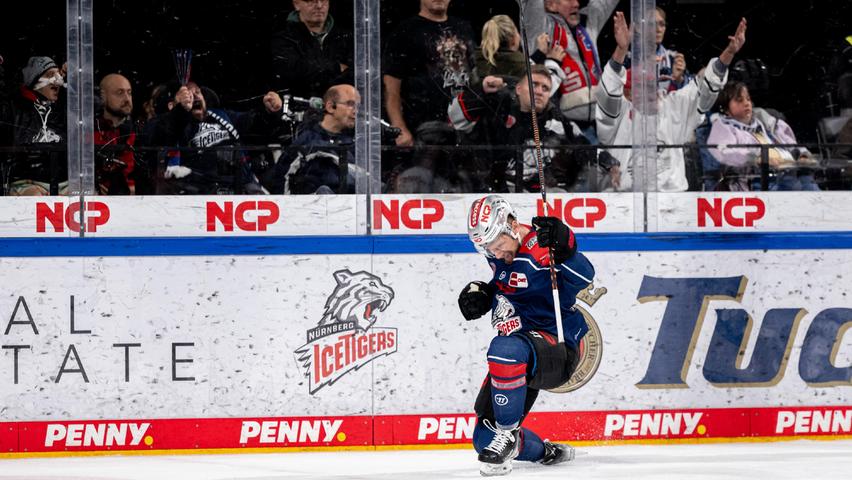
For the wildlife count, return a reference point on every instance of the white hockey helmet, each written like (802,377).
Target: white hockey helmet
(489,217)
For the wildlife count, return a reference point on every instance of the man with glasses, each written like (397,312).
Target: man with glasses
(524,357)
(310,52)
(313,162)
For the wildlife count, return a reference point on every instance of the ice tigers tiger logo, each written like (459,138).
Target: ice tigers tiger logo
(503,318)
(357,298)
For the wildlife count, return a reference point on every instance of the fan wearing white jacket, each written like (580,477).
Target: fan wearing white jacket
(678,112)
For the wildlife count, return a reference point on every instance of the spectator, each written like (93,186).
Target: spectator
(671,65)
(507,122)
(155,105)
(310,52)
(499,53)
(37,117)
(844,137)
(678,113)
(744,125)
(428,61)
(189,123)
(579,72)
(319,147)
(115,136)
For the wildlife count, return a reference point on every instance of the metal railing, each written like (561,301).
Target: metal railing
(474,162)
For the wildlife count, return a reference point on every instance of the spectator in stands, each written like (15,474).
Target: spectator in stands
(579,72)
(115,136)
(678,113)
(505,117)
(428,60)
(499,52)
(190,123)
(310,52)
(36,117)
(672,73)
(154,105)
(743,124)
(313,162)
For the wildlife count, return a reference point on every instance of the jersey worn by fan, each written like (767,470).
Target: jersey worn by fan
(524,297)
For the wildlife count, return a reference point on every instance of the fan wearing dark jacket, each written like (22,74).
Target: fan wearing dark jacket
(201,169)
(310,52)
(35,117)
(313,163)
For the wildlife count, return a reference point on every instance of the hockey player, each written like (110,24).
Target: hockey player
(525,356)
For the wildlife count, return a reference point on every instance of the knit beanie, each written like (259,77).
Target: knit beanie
(36,66)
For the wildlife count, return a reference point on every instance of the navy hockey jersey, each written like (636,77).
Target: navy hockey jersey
(524,299)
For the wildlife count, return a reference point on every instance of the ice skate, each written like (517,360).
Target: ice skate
(497,457)
(555,453)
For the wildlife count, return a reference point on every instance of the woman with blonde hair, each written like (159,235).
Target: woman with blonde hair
(499,53)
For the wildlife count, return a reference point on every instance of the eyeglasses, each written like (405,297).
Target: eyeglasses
(349,103)
(315,2)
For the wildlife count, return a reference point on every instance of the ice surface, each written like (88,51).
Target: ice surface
(802,459)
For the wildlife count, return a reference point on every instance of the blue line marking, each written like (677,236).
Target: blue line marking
(404,244)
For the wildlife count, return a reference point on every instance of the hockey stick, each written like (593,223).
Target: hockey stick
(560,334)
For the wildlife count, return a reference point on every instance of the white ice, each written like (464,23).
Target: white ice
(799,460)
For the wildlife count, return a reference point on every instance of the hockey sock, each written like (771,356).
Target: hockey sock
(507,365)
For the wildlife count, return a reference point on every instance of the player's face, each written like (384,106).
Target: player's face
(504,248)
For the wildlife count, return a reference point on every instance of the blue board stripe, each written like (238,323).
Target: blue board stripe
(404,244)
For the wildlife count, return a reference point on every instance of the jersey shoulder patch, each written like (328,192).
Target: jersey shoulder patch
(535,252)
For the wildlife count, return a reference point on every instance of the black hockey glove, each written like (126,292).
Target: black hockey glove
(552,233)
(475,300)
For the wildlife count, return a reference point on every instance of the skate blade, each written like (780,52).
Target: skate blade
(495,469)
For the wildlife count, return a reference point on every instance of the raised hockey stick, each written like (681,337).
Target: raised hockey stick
(540,164)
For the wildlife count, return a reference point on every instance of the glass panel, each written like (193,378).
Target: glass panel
(369,126)
(221,92)
(474,155)
(787,96)
(457,92)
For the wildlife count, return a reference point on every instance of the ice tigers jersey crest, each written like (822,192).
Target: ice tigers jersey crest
(503,317)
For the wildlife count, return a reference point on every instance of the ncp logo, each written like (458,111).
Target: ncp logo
(96,214)
(416,214)
(247,216)
(736,212)
(577,212)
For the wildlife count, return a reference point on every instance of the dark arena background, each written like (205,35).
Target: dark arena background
(802,44)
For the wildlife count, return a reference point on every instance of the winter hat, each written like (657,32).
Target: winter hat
(36,66)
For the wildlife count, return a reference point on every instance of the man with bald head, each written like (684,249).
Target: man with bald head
(115,136)
(313,166)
